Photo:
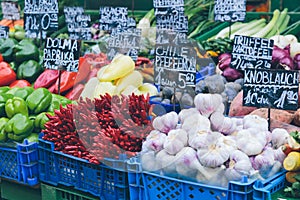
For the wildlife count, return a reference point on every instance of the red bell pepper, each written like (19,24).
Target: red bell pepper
(7,74)
(67,81)
(19,83)
(46,79)
(84,69)
(75,92)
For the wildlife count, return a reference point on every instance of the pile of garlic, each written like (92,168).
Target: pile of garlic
(201,142)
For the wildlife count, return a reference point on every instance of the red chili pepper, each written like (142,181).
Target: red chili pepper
(75,92)
(46,79)
(1,57)
(7,74)
(19,83)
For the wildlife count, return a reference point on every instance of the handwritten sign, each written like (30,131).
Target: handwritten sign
(78,23)
(269,88)
(126,42)
(61,54)
(172,22)
(4,31)
(230,10)
(175,60)
(251,53)
(167,3)
(113,17)
(10,10)
(40,17)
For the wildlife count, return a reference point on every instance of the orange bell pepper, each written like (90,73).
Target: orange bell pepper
(7,74)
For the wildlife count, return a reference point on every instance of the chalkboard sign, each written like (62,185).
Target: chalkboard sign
(178,22)
(251,53)
(131,23)
(269,88)
(61,54)
(10,10)
(167,3)
(40,17)
(4,31)
(175,60)
(113,17)
(230,10)
(126,42)
(78,23)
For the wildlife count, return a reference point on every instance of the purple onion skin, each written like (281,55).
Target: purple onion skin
(223,64)
(278,54)
(287,63)
(231,74)
(224,56)
(297,61)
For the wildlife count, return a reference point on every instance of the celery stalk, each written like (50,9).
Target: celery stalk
(234,27)
(276,29)
(251,28)
(266,30)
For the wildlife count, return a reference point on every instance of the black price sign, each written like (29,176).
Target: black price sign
(167,3)
(10,10)
(251,53)
(269,88)
(175,60)
(177,23)
(113,17)
(4,31)
(61,54)
(126,42)
(230,10)
(40,17)
(78,23)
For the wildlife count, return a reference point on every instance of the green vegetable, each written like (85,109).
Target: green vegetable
(14,106)
(3,99)
(18,127)
(33,137)
(39,100)
(26,50)
(40,121)
(296,136)
(12,90)
(6,49)
(58,100)
(279,24)
(29,70)
(3,134)
(24,92)
(4,89)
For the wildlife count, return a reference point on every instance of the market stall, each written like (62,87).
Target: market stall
(185,99)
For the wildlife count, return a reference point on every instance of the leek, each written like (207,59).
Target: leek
(252,27)
(267,29)
(278,24)
(225,32)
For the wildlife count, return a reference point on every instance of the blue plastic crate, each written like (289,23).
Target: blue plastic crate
(108,181)
(19,162)
(264,190)
(151,186)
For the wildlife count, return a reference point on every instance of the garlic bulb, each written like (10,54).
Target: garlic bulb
(175,141)
(222,124)
(239,165)
(279,137)
(197,140)
(216,176)
(255,121)
(251,142)
(166,122)
(214,152)
(207,103)
(166,162)
(195,123)
(185,113)
(148,161)
(154,141)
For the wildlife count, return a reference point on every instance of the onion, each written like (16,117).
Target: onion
(279,53)
(297,61)
(295,49)
(287,63)
(231,74)
(224,63)
(280,41)
(224,56)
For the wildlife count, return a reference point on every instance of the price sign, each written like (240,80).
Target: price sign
(167,3)
(269,88)
(10,10)
(78,23)
(113,17)
(40,17)
(61,54)
(177,22)
(126,42)
(251,53)
(230,10)
(4,31)
(175,60)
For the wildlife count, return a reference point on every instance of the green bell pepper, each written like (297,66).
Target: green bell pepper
(39,100)
(4,89)
(40,121)
(12,91)
(18,127)
(26,50)
(58,100)
(3,134)
(3,99)
(7,49)
(29,70)
(33,137)
(14,106)
(13,65)
(24,92)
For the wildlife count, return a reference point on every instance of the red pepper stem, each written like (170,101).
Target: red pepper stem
(59,80)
